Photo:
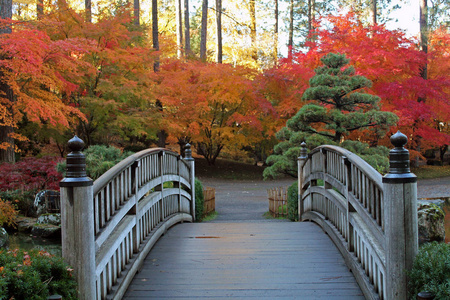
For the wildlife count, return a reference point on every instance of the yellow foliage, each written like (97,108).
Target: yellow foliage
(8,213)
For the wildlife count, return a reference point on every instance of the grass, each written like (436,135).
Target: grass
(269,216)
(429,172)
(227,169)
(209,217)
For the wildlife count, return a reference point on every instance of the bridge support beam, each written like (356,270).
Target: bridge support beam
(400,199)
(77,221)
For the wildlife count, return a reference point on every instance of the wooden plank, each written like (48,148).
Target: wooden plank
(244,260)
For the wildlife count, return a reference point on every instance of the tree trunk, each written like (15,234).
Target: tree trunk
(252,10)
(311,17)
(219,30)
(40,9)
(162,137)
(7,154)
(276,34)
(423,22)
(291,29)
(209,151)
(179,28)
(374,12)
(187,35)
(155,32)
(204,30)
(137,10)
(424,34)
(5,13)
(88,10)
(182,141)
(6,128)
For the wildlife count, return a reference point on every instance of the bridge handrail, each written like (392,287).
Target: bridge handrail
(339,206)
(354,206)
(123,214)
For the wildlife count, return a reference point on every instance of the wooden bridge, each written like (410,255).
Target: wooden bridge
(111,225)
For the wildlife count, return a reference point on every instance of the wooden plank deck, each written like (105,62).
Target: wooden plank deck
(272,260)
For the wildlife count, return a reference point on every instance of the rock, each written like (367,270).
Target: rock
(25,224)
(431,222)
(4,238)
(47,202)
(438,202)
(53,219)
(46,230)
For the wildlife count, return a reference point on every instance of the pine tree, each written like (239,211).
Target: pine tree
(339,105)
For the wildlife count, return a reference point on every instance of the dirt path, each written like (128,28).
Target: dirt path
(246,201)
(242,200)
(434,188)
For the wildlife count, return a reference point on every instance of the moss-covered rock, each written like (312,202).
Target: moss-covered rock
(46,230)
(54,219)
(430,222)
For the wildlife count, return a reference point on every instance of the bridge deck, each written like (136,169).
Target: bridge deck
(271,260)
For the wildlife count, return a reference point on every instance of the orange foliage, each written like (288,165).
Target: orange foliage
(213,104)
(42,74)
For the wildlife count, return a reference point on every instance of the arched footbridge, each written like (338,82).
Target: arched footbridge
(362,238)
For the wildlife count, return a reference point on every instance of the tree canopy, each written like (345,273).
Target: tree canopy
(337,105)
(110,80)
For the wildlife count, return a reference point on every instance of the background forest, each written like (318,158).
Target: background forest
(214,74)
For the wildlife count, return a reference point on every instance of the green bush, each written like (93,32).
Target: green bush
(34,275)
(99,159)
(293,202)
(199,200)
(431,271)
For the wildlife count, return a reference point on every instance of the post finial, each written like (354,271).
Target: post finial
(75,144)
(76,165)
(399,140)
(399,170)
(303,151)
(188,152)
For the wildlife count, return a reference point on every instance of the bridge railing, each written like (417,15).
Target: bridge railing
(371,219)
(110,225)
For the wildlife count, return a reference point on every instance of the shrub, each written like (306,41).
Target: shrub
(99,159)
(34,275)
(292,201)
(22,200)
(30,174)
(199,200)
(431,271)
(8,213)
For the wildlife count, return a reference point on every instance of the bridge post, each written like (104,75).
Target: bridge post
(400,210)
(77,220)
(188,157)
(301,163)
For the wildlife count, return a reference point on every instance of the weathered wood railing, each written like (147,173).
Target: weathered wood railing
(110,225)
(371,219)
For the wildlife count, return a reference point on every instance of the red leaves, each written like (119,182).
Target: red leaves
(393,63)
(30,173)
